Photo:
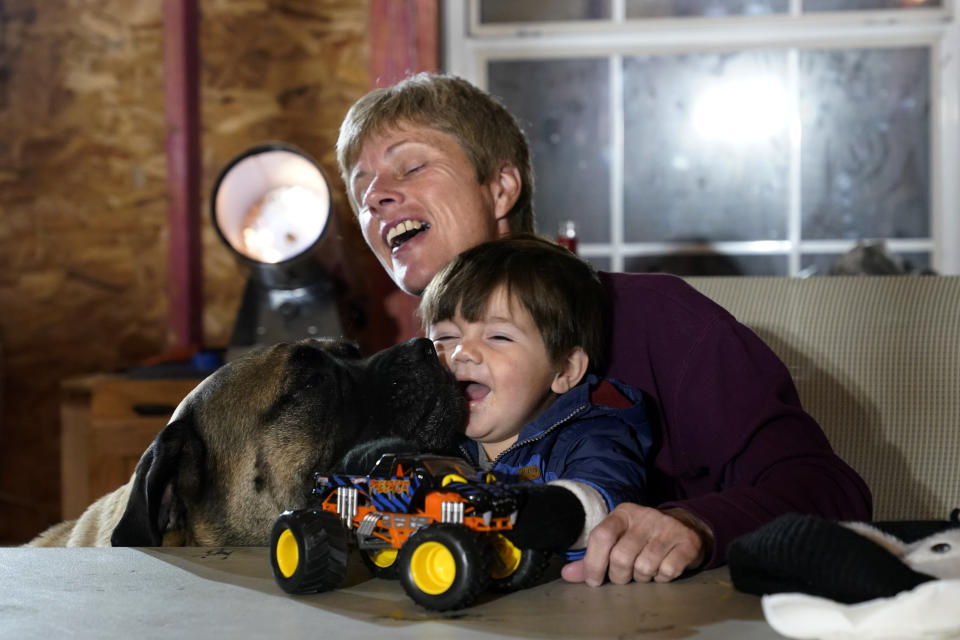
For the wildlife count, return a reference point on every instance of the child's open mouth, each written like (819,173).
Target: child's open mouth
(474,391)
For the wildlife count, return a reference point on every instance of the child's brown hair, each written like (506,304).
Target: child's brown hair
(561,292)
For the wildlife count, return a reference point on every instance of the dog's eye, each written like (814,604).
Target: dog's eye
(942,547)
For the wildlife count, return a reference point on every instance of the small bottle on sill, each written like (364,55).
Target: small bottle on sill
(567,235)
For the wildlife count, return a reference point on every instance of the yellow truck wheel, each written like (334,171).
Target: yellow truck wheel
(381,562)
(444,566)
(512,568)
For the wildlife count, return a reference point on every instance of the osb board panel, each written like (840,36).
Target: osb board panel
(83,189)
(279,71)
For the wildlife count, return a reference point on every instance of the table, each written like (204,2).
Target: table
(229,593)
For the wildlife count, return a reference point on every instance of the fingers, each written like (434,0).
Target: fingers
(674,564)
(573,571)
(637,543)
(600,545)
(647,563)
(625,554)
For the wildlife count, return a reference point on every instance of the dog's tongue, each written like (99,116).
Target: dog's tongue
(476,391)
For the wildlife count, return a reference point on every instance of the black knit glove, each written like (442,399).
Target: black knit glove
(548,517)
(816,556)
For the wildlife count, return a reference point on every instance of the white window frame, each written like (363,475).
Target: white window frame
(469,46)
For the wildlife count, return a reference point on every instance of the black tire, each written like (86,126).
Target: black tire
(514,569)
(308,551)
(444,566)
(379,562)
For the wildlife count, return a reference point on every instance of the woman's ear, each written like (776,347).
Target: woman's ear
(574,366)
(505,189)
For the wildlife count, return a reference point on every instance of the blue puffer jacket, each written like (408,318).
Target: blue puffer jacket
(585,441)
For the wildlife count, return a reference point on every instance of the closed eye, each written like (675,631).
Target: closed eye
(443,331)
(360,184)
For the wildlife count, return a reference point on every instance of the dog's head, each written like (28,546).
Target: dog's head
(244,444)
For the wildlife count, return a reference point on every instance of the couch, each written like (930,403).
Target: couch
(876,360)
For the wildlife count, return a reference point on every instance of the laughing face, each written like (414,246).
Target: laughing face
(503,366)
(419,203)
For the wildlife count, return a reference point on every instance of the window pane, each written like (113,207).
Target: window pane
(866,131)
(563,106)
(705,147)
(494,11)
(600,263)
(709,264)
(859,5)
(712,8)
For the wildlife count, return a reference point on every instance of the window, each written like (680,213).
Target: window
(760,137)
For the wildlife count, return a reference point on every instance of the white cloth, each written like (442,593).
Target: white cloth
(931,610)
(937,555)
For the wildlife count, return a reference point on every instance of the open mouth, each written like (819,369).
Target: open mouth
(474,391)
(404,231)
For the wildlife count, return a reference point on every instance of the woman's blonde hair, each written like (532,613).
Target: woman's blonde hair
(488,134)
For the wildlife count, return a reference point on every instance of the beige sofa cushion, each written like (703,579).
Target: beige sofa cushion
(876,360)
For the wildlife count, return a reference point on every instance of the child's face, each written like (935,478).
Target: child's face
(504,365)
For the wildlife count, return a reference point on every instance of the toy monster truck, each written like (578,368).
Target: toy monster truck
(432,521)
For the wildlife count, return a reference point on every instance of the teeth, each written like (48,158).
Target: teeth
(403,227)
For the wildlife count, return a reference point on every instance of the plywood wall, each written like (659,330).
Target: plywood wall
(83,230)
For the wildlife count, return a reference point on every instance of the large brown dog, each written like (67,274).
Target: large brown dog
(244,444)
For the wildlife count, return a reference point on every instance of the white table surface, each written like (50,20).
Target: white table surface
(230,593)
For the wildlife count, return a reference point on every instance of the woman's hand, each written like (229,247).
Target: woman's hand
(641,543)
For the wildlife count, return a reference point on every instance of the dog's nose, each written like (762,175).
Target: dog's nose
(421,346)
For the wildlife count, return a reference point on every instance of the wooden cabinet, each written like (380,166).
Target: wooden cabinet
(106,423)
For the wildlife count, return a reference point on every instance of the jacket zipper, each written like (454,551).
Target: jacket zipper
(540,435)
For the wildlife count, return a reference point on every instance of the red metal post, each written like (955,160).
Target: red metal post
(182,106)
(404,39)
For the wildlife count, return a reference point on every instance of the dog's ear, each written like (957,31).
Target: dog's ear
(168,469)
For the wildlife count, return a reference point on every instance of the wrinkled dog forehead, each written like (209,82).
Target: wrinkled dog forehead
(251,384)
(413,358)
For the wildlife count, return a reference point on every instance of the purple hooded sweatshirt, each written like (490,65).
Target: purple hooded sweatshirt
(731,442)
